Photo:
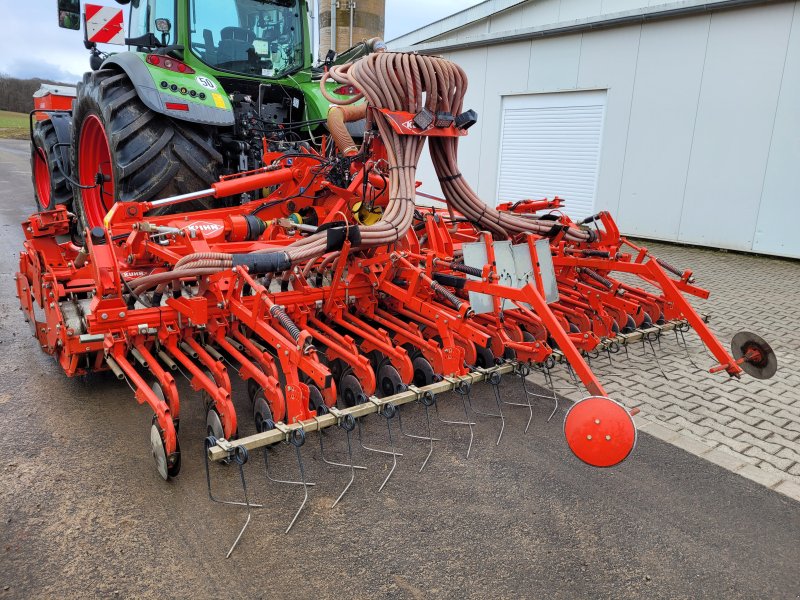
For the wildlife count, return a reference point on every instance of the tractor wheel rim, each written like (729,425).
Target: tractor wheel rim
(41,173)
(95,158)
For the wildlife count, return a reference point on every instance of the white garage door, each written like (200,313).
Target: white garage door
(550,146)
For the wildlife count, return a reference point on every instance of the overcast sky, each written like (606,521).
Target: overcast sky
(32,44)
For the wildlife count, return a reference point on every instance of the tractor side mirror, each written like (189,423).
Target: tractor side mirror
(69,14)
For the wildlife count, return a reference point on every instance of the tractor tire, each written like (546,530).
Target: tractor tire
(50,186)
(129,153)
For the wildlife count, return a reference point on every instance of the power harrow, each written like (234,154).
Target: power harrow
(334,296)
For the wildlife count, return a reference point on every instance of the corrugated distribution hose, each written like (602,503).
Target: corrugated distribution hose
(445,84)
(397,82)
(337,117)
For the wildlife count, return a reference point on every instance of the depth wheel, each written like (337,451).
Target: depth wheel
(158,452)
(167,466)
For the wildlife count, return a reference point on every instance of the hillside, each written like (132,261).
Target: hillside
(16,95)
(13,125)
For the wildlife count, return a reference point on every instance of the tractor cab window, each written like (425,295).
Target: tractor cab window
(143,19)
(252,37)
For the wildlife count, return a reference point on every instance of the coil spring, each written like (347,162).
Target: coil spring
(598,278)
(462,268)
(664,264)
(286,321)
(447,295)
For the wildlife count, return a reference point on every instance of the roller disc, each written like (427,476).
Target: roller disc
(528,337)
(760,360)
(350,390)
(389,381)
(252,389)
(315,400)
(157,450)
(423,371)
(630,325)
(485,357)
(262,414)
(600,431)
(214,424)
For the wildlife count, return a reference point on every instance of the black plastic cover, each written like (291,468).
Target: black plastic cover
(271,262)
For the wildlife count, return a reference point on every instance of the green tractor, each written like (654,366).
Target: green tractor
(202,86)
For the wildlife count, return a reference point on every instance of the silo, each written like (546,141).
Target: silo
(356,21)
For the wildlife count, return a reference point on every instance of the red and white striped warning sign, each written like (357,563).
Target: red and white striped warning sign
(104,24)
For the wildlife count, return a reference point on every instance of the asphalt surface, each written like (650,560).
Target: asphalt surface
(84,513)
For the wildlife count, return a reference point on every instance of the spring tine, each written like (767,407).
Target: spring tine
(426,400)
(378,450)
(348,425)
(494,381)
(523,371)
(465,389)
(297,445)
(430,437)
(549,378)
(282,481)
(679,332)
(572,375)
(388,412)
(647,338)
(241,457)
(333,463)
(210,442)
(414,436)
(466,423)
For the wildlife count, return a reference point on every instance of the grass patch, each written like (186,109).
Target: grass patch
(13,125)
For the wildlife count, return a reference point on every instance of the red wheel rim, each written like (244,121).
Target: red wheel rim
(600,431)
(94,159)
(41,174)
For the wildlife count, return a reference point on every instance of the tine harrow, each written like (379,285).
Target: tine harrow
(328,320)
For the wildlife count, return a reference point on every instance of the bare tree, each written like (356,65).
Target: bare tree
(17,94)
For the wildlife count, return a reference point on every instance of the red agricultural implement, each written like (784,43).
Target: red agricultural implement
(334,296)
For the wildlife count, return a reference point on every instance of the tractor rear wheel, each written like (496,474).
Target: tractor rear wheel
(50,187)
(125,152)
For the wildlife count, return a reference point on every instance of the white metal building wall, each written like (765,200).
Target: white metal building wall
(701,142)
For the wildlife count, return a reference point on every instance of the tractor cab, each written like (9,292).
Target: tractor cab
(250,37)
(255,38)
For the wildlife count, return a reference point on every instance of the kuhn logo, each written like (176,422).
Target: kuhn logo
(205,227)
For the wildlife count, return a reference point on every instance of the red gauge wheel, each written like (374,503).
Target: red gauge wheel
(600,431)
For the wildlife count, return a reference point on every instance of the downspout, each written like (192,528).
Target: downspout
(352,7)
(334,4)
